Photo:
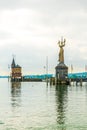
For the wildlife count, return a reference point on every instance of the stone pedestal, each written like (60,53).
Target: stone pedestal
(61,73)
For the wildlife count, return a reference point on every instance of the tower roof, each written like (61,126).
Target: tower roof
(18,66)
(13,63)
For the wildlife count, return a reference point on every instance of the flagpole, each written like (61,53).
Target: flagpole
(47,70)
(71,68)
(86,70)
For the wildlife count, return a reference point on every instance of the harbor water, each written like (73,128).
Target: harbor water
(36,106)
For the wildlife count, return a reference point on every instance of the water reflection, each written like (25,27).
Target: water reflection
(61,100)
(15,94)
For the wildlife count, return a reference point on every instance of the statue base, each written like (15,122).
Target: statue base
(61,76)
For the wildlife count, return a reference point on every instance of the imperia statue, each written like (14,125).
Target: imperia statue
(61,53)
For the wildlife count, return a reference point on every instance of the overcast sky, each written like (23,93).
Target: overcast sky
(31,29)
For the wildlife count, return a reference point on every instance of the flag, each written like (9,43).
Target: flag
(71,68)
(85,68)
(8,66)
(44,67)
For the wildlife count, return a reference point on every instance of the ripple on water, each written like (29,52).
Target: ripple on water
(59,127)
(1,123)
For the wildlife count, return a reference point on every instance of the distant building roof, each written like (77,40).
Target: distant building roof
(78,75)
(17,66)
(43,76)
(13,65)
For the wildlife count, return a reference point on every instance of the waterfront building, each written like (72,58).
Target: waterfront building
(16,72)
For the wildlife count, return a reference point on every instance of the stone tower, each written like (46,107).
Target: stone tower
(16,72)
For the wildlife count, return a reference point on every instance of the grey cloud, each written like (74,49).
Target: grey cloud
(45,5)
(6,4)
(4,35)
(55,18)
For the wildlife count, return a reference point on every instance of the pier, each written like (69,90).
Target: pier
(61,70)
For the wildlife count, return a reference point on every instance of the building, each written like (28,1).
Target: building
(16,72)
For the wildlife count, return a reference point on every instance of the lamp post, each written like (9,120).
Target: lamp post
(8,72)
(46,70)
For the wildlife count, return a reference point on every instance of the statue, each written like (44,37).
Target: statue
(61,53)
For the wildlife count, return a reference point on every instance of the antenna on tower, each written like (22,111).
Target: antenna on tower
(14,56)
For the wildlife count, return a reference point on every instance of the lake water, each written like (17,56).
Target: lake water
(35,106)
